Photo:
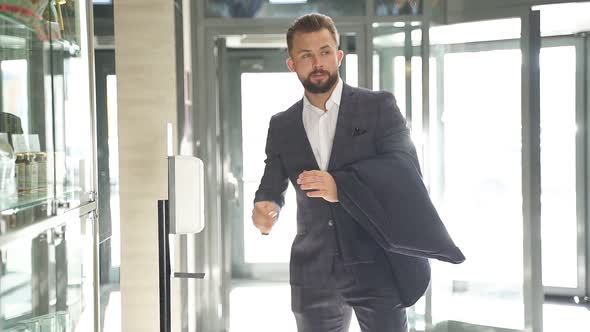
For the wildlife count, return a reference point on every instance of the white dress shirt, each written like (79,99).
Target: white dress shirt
(320,125)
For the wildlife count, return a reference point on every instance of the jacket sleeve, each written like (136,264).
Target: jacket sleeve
(274,181)
(392,133)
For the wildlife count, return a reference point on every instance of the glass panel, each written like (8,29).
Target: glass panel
(27,282)
(558,171)
(16,278)
(283,8)
(46,281)
(26,136)
(479,195)
(395,44)
(397,68)
(74,256)
(349,69)
(284,89)
(72,106)
(398,7)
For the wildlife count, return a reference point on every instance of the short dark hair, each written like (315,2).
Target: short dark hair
(311,23)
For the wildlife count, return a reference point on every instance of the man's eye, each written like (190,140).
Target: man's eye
(305,55)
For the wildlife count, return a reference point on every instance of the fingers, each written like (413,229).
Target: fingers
(311,179)
(267,208)
(313,185)
(264,215)
(263,222)
(318,193)
(312,174)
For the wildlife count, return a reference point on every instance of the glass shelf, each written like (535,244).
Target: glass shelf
(23,202)
(44,103)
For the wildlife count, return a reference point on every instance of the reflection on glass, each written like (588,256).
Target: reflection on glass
(16,276)
(283,8)
(398,7)
(113,142)
(14,84)
(284,89)
(46,282)
(558,171)
(74,113)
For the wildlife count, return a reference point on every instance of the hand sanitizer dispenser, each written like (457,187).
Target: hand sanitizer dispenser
(186,194)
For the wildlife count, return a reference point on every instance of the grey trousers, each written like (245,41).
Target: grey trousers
(329,309)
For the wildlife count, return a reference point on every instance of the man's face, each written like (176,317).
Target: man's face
(315,58)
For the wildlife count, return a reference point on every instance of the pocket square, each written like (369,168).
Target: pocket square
(358,131)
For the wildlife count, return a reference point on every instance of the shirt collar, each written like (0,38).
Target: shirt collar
(334,99)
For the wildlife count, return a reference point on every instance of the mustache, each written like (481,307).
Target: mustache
(319,71)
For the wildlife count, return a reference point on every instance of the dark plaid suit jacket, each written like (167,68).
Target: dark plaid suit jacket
(369,124)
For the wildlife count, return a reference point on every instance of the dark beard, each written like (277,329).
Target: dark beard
(320,88)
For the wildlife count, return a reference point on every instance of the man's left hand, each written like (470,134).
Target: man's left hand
(322,184)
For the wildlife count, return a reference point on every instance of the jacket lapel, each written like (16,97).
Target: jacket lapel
(343,124)
(343,128)
(301,136)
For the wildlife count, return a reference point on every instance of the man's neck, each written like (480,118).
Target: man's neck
(319,99)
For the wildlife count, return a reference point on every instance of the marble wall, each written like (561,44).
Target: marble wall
(145,62)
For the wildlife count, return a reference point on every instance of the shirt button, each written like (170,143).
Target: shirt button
(330,223)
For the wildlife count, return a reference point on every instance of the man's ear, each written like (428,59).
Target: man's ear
(340,55)
(290,64)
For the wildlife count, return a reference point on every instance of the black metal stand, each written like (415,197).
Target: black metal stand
(164,265)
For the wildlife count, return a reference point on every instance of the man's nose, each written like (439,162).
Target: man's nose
(317,64)
(315,61)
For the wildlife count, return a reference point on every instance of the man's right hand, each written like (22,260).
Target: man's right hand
(264,215)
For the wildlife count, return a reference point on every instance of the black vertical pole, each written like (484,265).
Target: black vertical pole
(164,265)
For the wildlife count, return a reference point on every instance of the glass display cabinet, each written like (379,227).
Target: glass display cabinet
(47,199)
(46,279)
(45,108)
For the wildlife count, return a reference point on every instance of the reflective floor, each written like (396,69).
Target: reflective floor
(111,309)
(271,309)
(262,307)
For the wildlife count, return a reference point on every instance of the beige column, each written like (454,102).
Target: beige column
(145,62)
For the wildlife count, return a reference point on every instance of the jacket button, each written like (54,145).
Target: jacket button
(330,222)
